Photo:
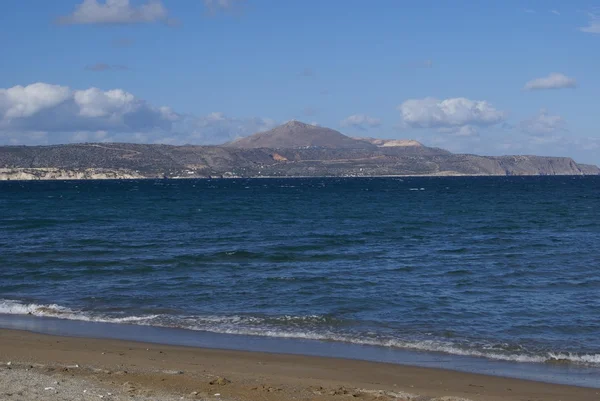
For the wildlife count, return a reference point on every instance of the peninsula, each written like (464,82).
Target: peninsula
(294,149)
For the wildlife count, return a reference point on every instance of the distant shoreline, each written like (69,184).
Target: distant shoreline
(128,160)
(4,179)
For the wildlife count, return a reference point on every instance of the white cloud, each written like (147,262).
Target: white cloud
(360,121)
(555,12)
(464,131)
(543,123)
(20,102)
(94,102)
(168,114)
(44,113)
(215,116)
(454,113)
(552,81)
(467,130)
(116,12)
(594,24)
(55,108)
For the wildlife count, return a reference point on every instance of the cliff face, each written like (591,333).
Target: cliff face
(525,165)
(30,174)
(589,169)
(122,161)
(512,165)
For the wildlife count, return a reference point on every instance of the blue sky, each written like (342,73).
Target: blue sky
(511,77)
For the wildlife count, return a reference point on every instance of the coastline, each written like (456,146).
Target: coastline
(147,369)
(558,372)
(111,177)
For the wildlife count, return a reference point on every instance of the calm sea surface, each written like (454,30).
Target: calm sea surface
(499,268)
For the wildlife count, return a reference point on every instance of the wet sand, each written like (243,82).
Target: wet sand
(85,368)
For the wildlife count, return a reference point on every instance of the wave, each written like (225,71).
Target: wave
(10,307)
(309,327)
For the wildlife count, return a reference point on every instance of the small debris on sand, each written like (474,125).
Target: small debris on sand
(220,381)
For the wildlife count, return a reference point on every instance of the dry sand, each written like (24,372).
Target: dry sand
(44,367)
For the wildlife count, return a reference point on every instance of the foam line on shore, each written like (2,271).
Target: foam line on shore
(268,327)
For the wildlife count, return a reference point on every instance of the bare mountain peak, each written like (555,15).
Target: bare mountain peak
(296,123)
(296,134)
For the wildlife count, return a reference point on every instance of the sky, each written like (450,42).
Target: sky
(492,78)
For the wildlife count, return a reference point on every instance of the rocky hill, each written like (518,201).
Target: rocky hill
(305,153)
(295,134)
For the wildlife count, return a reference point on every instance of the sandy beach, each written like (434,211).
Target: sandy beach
(40,367)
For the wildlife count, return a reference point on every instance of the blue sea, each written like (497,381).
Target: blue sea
(502,271)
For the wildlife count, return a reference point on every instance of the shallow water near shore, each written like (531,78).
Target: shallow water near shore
(500,271)
(573,375)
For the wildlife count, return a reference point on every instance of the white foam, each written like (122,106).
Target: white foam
(268,327)
(9,307)
(570,357)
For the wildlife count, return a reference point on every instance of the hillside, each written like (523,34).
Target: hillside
(308,151)
(295,134)
(89,161)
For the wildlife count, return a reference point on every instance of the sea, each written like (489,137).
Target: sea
(497,275)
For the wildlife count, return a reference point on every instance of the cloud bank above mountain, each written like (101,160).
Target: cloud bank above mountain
(40,110)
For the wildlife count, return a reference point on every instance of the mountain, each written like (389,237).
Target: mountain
(292,150)
(295,134)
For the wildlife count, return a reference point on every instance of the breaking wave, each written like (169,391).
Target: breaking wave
(310,327)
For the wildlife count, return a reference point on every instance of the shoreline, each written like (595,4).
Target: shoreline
(553,373)
(178,178)
(188,372)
